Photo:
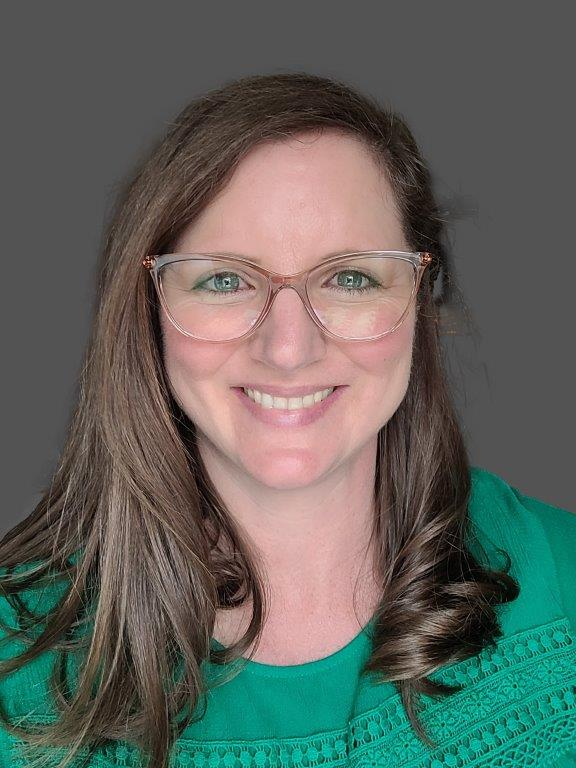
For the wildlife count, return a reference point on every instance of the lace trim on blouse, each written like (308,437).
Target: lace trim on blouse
(518,709)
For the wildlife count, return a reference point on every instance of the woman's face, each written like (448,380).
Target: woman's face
(288,205)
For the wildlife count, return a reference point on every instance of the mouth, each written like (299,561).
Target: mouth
(286,412)
(284,403)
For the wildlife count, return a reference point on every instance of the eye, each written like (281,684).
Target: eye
(354,284)
(224,282)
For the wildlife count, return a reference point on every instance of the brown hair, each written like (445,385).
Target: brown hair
(131,517)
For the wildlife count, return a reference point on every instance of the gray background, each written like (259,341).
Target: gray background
(486,89)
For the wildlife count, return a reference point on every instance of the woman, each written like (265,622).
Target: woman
(264,545)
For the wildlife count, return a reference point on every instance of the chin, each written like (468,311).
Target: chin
(283,471)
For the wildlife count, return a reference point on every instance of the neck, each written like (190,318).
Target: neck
(312,541)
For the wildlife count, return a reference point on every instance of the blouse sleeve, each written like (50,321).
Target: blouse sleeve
(559,526)
(7,691)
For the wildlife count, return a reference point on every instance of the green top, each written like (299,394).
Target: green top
(518,706)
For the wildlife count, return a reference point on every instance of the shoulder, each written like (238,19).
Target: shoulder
(24,689)
(539,537)
(504,511)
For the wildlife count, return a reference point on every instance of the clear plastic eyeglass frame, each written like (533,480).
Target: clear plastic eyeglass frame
(276,282)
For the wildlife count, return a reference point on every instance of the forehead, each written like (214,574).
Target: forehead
(307,195)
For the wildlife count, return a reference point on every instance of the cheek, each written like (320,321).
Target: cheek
(189,361)
(383,368)
(391,355)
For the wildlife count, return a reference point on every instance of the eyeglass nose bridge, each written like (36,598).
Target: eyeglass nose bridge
(297,282)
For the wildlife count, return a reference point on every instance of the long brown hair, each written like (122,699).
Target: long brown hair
(132,525)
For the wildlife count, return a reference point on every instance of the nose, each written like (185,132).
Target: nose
(288,338)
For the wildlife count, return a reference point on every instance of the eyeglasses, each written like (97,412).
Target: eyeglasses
(356,296)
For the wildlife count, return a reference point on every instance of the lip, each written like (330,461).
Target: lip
(287,391)
(282,417)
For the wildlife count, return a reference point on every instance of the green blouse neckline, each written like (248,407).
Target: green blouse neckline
(357,646)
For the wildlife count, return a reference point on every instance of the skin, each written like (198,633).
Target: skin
(303,495)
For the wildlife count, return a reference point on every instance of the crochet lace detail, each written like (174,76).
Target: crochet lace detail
(518,710)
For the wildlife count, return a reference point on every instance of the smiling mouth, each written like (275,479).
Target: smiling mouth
(276,402)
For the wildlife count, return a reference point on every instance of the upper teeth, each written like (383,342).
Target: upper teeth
(290,403)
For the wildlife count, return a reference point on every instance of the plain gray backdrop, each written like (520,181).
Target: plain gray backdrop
(487,89)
